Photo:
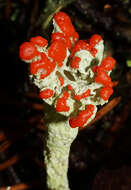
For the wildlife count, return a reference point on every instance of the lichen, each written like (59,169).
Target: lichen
(73,79)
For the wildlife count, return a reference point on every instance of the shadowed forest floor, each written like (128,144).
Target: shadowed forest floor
(100,157)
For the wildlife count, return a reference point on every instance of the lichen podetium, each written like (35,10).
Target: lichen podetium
(73,78)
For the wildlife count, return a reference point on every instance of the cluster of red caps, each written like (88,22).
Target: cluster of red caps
(45,61)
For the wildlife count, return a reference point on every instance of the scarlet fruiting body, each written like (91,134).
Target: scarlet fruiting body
(82,118)
(93,52)
(75,62)
(108,63)
(103,78)
(58,51)
(106,92)
(64,22)
(61,105)
(95,39)
(61,79)
(70,87)
(83,95)
(60,36)
(57,36)
(27,51)
(38,40)
(44,66)
(94,69)
(75,37)
(80,45)
(47,93)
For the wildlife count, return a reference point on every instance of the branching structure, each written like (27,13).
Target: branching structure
(73,79)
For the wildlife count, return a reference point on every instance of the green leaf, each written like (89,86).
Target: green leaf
(128,62)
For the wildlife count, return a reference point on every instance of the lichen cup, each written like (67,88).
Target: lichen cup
(73,79)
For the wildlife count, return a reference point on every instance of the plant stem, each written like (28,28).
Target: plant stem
(57,146)
(49,18)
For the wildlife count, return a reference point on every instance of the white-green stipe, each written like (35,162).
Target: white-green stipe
(57,147)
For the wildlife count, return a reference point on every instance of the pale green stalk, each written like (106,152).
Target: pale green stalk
(57,147)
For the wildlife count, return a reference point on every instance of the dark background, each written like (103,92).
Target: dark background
(100,156)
